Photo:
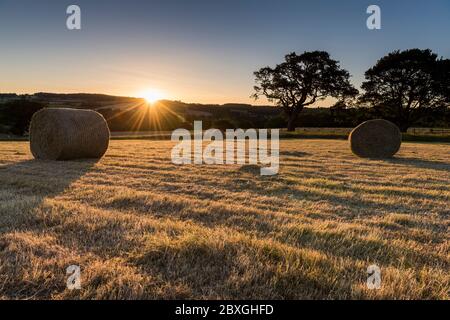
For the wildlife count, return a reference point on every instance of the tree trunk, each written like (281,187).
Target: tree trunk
(403,119)
(292,119)
(291,122)
(404,123)
(403,127)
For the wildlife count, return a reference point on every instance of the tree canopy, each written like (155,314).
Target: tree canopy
(302,80)
(403,84)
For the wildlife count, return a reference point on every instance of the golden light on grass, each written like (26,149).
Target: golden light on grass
(308,233)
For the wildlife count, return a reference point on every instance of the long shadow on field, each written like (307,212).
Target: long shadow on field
(332,243)
(421,163)
(294,154)
(24,185)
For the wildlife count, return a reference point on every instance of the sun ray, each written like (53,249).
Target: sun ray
(126,109)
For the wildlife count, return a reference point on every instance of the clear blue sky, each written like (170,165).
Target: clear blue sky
(198,50)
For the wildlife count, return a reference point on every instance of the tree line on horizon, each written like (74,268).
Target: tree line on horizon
(410,87)
(402,86)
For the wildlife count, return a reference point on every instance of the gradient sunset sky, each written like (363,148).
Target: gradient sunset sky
(196,50)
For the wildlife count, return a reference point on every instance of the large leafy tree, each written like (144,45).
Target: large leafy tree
(302,80)
(405,85)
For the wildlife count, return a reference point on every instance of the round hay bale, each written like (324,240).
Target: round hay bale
(65,134)
(375,139)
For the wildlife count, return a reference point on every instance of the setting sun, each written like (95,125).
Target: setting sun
(152,95)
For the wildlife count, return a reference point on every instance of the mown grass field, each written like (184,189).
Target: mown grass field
(141,227)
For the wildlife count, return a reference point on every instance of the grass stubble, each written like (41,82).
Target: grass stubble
(141,227)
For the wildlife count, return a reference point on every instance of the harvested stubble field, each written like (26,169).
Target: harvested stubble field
(141,227)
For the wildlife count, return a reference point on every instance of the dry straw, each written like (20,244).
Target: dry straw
(375,139)
(64,134)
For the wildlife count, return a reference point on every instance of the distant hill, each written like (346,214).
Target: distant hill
(134,114)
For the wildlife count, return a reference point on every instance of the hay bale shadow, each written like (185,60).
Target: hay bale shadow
(420,163)
(294,154)
(32,181)
(250,168)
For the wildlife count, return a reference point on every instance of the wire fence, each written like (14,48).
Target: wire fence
(343,131)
